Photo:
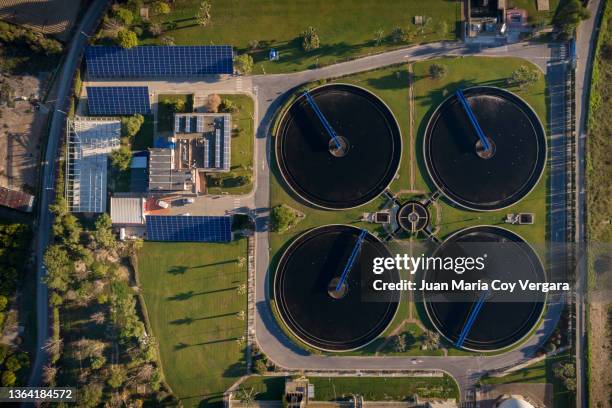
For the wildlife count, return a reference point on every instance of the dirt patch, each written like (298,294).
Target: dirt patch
(600,315)
(22,127)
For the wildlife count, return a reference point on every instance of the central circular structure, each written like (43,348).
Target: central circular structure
(412,216)
(332,176)
(305,289)
(475,177)
(505,317)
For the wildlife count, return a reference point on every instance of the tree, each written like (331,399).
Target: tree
(437,71)
(125,16)
(131,126)
(400,35)
(566,373)
(399,343)
(310,39)
(103,233)
(161,7)
(431,340)
(89,395)
(247,395)
(59,268)
(228,106)
(379,36)
(155,29)
(568,15)
(3,302)
(117,376)
(283,217)
(212,102)
(253,45)
(203,16)
(243,64)
(523,77)
(8,379)
(120,158)
(127,39)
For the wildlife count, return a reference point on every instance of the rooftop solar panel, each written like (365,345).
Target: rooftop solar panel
(158,61)
(180,228)
(118,100)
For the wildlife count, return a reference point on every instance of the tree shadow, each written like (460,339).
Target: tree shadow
(188,295)
(190,320)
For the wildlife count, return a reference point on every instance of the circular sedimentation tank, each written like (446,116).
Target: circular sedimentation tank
(478,178)
(504,318)
(309,305)
(351,172)
(413,216)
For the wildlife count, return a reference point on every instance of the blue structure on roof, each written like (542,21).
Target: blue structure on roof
(183,228)
(158,61)
(162,142)
(118,100)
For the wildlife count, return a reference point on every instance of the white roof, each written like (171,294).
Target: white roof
(515,403)
(127,210)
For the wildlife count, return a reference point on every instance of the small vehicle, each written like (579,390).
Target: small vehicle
(188,200)
(162,204)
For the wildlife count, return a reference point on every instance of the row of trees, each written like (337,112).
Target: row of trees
(130,126)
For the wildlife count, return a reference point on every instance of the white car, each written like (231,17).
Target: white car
(162,204)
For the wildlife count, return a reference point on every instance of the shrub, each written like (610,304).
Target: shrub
(228,106)
(127,39)
(438,71)
(8,379)
(243,64)
(3,302)
(120,158)
(161,7)
(400,35)
(203,15)
(125,16)
(155,29)
(283,217)
(523,77)
(310,39)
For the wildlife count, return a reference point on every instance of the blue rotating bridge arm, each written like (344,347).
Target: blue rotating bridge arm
(330,130)
(352,258)
(472,118)
(472,318)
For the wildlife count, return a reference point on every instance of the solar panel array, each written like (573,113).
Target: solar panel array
(118,100)
(158,61)
(182,228)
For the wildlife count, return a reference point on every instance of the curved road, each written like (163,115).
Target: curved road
(46,196)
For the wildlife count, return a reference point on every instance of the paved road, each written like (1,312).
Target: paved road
(46,196)
(585,41)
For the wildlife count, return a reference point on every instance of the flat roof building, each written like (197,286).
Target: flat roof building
(163,176)
(203,141)
(127,210)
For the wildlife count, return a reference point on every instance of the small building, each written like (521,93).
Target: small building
(17,200)
(164,176)
(203,141)
(298,392)
(127,211)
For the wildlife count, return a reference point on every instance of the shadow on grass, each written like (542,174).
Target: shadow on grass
(188,295)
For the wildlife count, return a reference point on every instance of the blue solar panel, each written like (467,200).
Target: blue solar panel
(118,100)
(158,61)
(181,228)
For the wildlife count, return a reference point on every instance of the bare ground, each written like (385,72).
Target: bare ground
(600,314)
(21,129)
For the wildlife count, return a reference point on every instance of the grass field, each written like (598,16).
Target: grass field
(535,16)
(243,136)
(346,27)
(191,298)
(541,372)
(372,388)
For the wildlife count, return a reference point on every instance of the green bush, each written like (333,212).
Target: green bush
(127,39)
(8,379)
(310,39)
(283,217)
(125,16)
(3,302)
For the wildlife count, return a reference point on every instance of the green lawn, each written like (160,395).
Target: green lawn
(535,16)
(372,388)
(380,389)
(346,28)
(165,115)
(192,301)
(243,136)
(540,372)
